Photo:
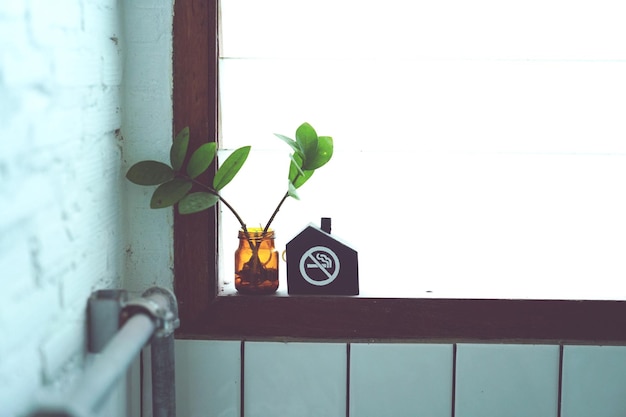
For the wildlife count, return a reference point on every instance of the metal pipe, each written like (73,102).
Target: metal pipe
(107,368)
(155,316)
(162,368)
(111,365)
(162,358)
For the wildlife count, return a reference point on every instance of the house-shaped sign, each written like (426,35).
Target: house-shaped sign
(318,263)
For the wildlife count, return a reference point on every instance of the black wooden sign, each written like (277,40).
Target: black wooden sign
(318,263)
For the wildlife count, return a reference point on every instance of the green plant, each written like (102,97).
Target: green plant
(178,183)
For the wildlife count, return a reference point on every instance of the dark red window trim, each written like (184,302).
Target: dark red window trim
(205,315)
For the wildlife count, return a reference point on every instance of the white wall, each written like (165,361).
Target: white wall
(63,125)
(147,131)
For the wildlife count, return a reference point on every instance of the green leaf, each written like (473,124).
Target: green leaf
(230,167)
(201,159)
(322,154)
(299,182)
(150,173)
(297,176)
(294,145)
(178,151)
(195,202)
(296,160)
(170,193)
(292,191)
(306,137)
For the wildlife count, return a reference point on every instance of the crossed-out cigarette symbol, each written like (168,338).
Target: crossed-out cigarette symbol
(319,258)
(321,261)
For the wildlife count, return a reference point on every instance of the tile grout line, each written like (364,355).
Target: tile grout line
(453,405)
(348,379)
(560,387)
(242,360)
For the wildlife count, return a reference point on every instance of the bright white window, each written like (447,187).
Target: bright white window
(480,146)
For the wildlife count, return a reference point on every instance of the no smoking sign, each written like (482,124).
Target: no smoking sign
(319,266)
(319,263)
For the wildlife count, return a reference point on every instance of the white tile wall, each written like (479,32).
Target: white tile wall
(594,381)
(507,380)
(208,378)
(295,379)
(392,379)
(400,380)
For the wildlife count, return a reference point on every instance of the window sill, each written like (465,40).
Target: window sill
(281,317)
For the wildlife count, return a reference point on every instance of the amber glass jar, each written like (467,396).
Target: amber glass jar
(256,263)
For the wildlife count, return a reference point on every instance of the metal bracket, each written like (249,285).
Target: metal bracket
(158,303)
(103,311)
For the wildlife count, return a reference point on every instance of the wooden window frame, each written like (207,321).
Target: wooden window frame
(205,315)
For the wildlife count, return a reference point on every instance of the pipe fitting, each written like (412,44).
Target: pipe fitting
(160,305)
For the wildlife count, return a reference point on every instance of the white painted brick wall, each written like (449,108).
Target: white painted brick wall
(147,129)
(61,176)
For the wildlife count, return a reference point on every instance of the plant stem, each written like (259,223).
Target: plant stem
(227,204)
(269,222)
(253,247)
